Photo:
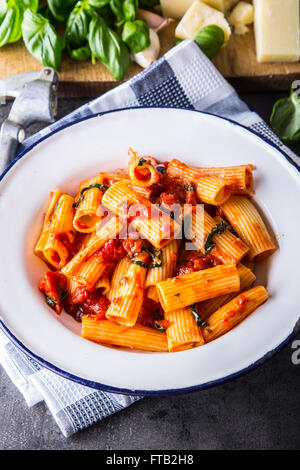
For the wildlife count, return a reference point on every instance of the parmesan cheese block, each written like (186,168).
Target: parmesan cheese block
(222,5)
(175,8)
(198,16)
(243,13)
(276,30)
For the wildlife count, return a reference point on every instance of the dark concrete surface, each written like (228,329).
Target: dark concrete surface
(257,411)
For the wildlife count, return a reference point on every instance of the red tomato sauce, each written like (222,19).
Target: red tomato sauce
(194,261)
(53,285)
(151,312)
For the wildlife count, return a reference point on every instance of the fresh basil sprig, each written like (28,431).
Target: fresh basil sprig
(136,35)
(78,25)
(125,10)
(210,244)
(11,18)
(41,39)
(210,39)
(107,46)
(285,118)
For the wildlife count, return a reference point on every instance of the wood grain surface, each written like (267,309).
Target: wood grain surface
(236,61)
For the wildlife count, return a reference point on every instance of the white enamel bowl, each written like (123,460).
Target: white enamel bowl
(101,143)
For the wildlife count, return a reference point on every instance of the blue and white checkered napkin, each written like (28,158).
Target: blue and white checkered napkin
(183,78)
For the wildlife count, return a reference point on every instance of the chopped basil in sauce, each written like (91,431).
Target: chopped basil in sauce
(210,244)
(102,187)
(139,263)
(50,301)
(197,317)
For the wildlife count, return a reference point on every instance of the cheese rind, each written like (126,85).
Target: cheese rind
(198,16)
(175,8)
(276,30)
(243,13)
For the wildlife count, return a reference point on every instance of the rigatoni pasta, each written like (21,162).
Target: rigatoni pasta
(234,312)
(247,222)
(227,247)
(137,337)
(182,331)
(61,231)
(88,200)
(209,188)
(180,291)
(208,307)
(137,258)
(125,306)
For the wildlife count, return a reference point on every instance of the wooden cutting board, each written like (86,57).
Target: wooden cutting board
(236,61)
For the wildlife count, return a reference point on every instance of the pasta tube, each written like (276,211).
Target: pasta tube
(156,226)
(119,273)
(238,178)
(39,248)
(228,248)
(61,231)
(111,178)
(125,306)
(234,312)
(142,171)
(246,221)
(137,337)
(87,215)
(209,189)
(183,332)
(181,291)
(168,263)
(208,307)
(109,230)
(90,271)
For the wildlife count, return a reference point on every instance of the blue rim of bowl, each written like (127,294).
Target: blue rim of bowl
(97,385)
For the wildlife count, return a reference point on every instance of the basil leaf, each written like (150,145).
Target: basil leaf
(82,53)
(140,263)
(210,39)
(11,18)
(156,255)
(41,40)
(102,187)
(78,25)
(210,244)
(159,328)
(285,118)
(125,10)
(108,47)
(60,9)
(50,301)
(197,317)
(136,35)
(189,187)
